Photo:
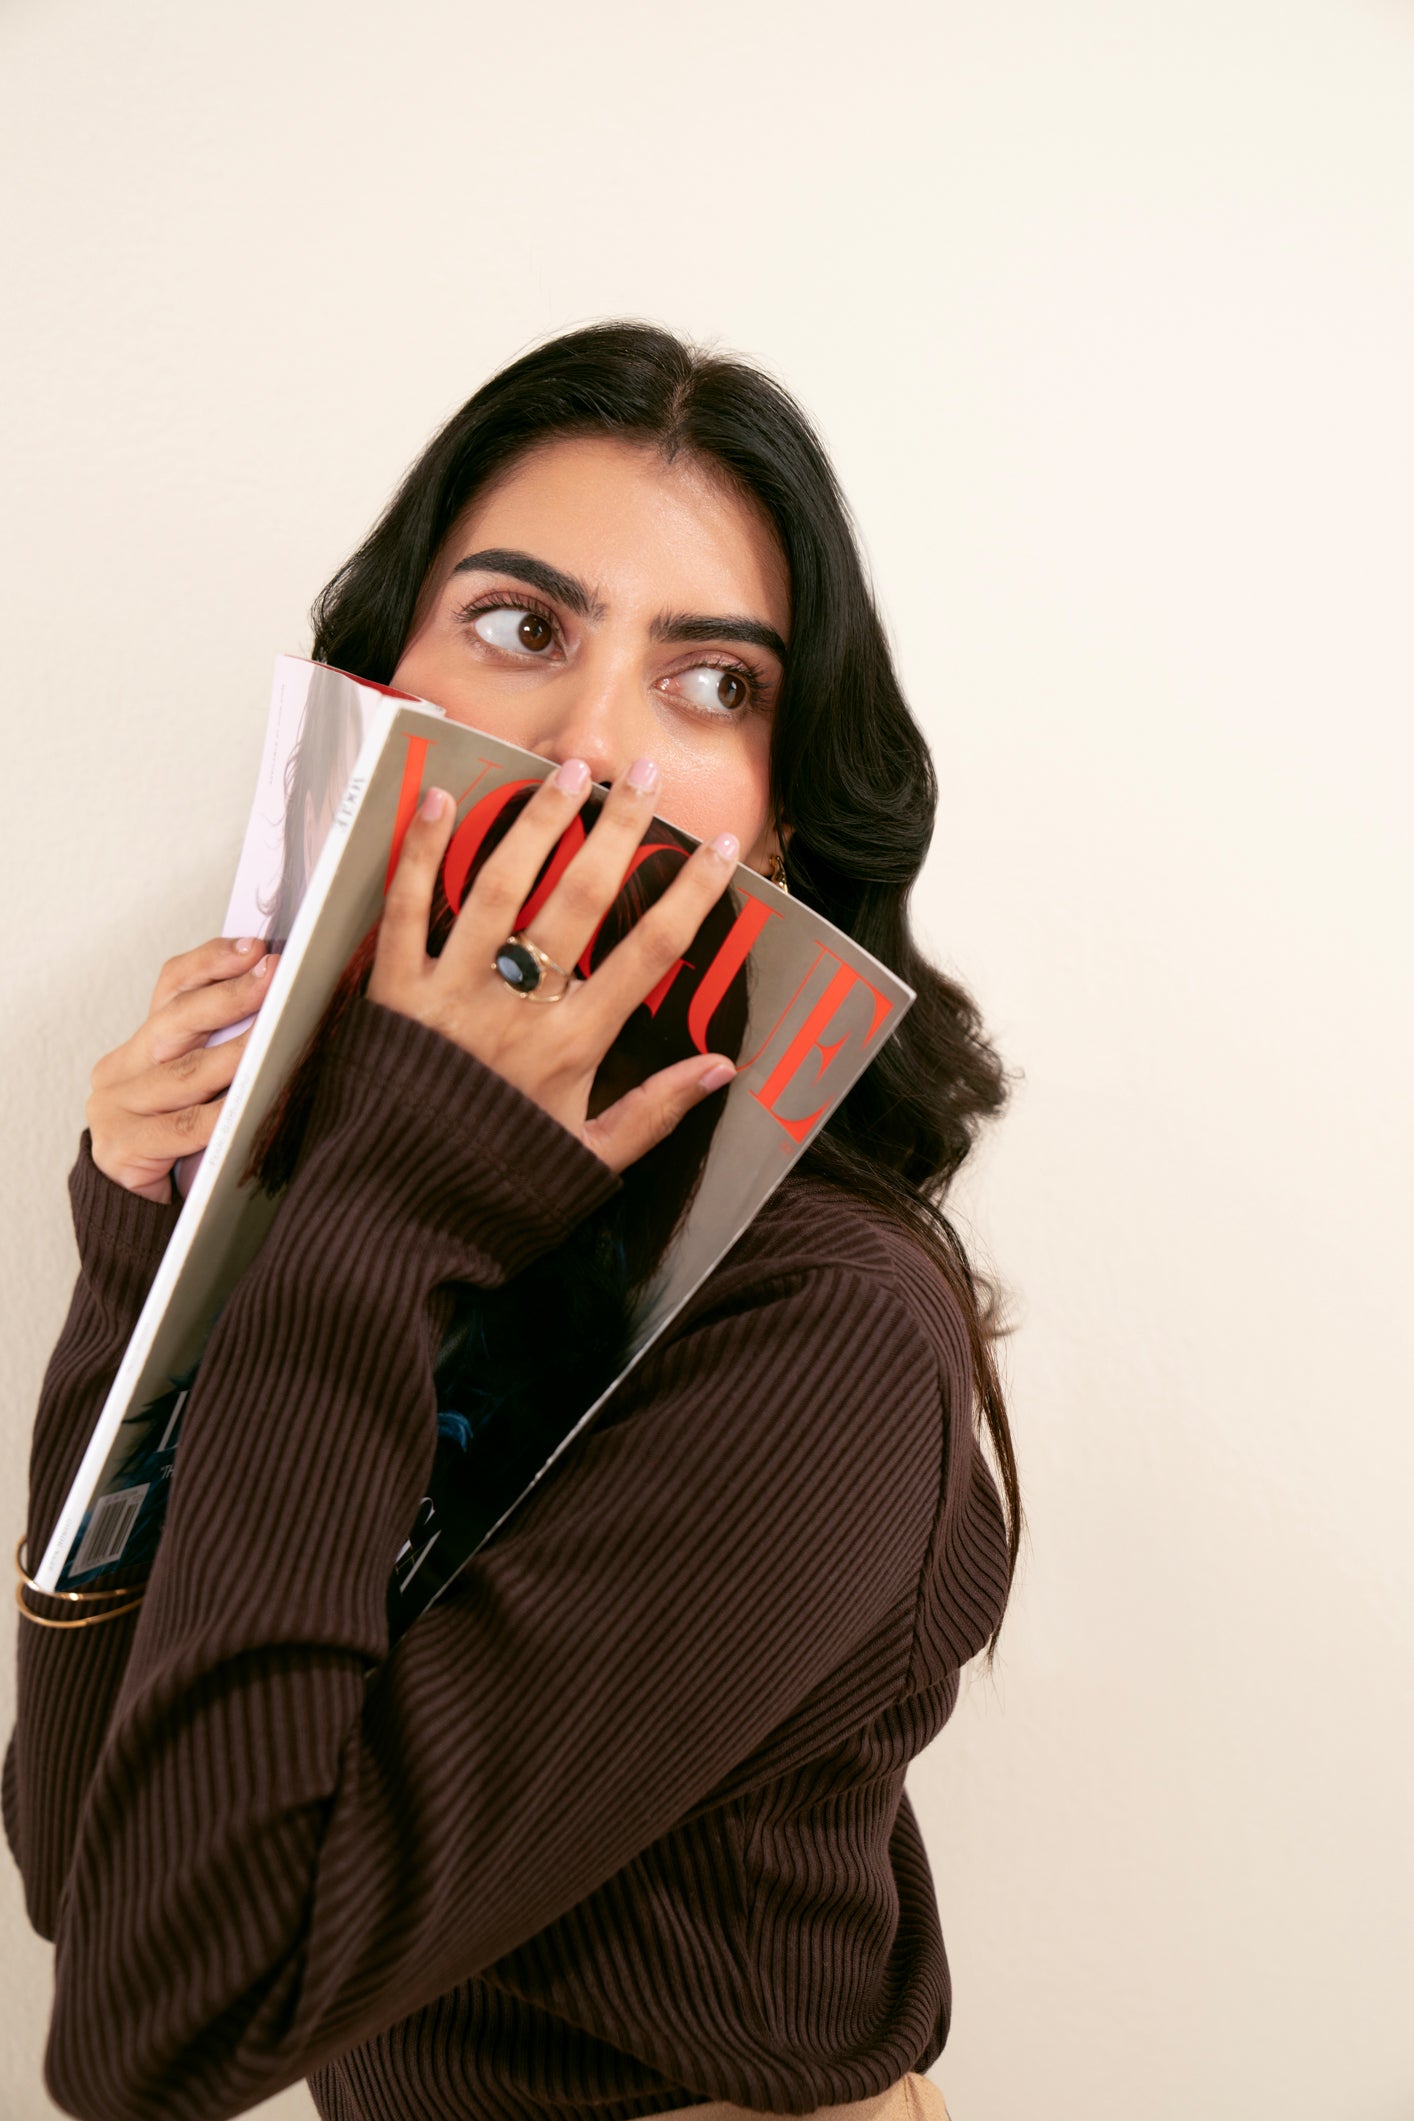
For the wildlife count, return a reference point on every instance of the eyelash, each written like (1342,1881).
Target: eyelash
(753,677)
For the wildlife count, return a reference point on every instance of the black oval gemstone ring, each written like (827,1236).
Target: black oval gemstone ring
(523,966)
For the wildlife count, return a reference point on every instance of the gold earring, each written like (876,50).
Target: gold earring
(778,872)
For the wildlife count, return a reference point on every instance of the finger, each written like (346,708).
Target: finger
(222,958)
(595,877)
(659,937)
(190,1018)
(190,1078)
(507,876)
(187,1020)
(644,1116)
(401,951)
(134,1148)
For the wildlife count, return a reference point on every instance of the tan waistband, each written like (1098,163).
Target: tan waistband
(913,2098)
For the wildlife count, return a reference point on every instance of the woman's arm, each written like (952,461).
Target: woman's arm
(68,1680)
(282,1854)
(153,1099)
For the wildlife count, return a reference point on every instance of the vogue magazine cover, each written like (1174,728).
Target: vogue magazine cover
(797,1005)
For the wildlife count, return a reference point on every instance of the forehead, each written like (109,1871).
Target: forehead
(643,534)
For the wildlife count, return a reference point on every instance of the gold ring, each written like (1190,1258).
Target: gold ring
(523,965)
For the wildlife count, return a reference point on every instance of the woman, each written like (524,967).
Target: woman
(619,1825)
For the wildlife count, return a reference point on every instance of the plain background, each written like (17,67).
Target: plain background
(1107,314)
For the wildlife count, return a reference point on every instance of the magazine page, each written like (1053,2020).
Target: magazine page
(315,729)
(317,722)
(799,1006)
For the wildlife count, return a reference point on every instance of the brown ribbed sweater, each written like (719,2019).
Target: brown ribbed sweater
(620,1824)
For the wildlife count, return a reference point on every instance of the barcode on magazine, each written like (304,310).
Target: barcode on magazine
(108,1530)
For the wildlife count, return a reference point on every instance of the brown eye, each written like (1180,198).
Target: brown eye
(711,690)
(513,629)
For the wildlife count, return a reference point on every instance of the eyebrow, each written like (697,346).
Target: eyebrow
(568,590)
(538,574)
(688,626)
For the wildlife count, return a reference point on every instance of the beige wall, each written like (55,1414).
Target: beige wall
(1108,313)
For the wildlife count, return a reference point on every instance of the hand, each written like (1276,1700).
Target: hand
(552,1050)
(157,1098)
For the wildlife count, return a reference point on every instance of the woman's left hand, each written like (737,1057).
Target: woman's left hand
(552,1050)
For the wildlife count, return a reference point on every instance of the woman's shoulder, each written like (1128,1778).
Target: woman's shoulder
(813,1229)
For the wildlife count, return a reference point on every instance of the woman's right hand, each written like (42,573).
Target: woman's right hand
(157,1098)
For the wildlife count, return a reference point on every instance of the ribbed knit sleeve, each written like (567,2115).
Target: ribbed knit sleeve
(293,1838)
(68,1681)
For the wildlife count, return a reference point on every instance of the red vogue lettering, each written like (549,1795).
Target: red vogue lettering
(466,840)
(475,782)
(811,1034)
(408,794)
(653,1002)
(566,848)
(653,847)
(804,982)
(724,968)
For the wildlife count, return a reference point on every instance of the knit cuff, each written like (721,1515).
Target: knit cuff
(121,1237)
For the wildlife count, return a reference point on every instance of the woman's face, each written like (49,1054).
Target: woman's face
(599,603)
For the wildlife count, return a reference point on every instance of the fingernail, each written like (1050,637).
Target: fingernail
(642,776)
(432,804)
(259,971)
(572,775)
(727,845)
(244,945)
(719,1073)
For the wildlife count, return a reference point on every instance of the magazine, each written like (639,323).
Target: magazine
(798,1005)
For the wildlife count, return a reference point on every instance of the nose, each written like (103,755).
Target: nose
(578,739)
(597,716)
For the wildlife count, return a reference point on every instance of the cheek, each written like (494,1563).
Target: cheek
(434,672)
(726,793)
(425,667)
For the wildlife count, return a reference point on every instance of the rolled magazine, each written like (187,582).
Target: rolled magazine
(797,1004)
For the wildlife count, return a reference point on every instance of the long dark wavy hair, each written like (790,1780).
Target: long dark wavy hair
(851,773)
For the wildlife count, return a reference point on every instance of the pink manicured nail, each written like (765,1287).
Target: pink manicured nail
(262,970)
(244,945)
(721,1072)
(727,845)
(642,776)
(572,775)
(432,804)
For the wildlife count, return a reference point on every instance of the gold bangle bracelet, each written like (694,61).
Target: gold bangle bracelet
(117,1590)
(84,1620)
